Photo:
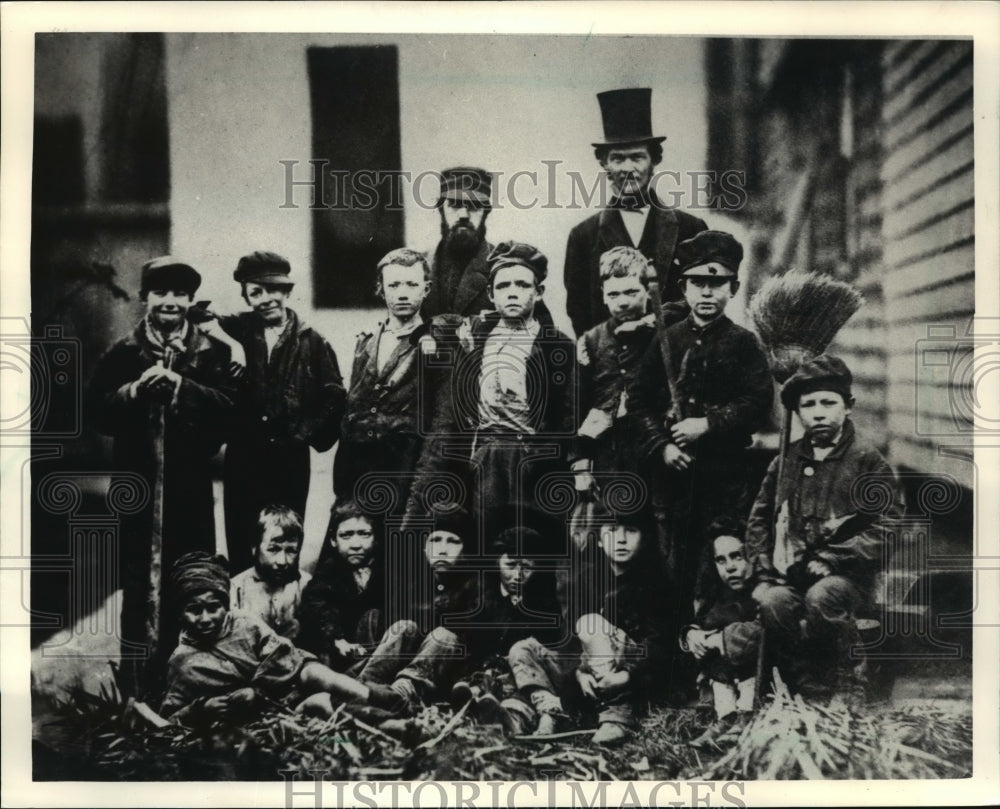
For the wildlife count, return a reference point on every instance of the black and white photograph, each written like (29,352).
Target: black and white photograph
(419,402)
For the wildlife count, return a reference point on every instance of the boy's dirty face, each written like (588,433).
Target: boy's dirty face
(730,561)
(443,549)
(708,295)
(621,543)
(203,615)
(404,289)
(268,300)
(167,307)
(515,572)
(625,298)
(277,555)
(823,413)
(355,541)
(514,292)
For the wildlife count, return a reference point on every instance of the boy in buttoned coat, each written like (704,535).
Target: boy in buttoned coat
(696,445)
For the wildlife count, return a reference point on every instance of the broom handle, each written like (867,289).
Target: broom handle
(661,336)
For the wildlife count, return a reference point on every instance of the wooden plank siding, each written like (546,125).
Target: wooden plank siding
(860,342)
(928,230)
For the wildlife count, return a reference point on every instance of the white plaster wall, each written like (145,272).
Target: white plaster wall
(239,103)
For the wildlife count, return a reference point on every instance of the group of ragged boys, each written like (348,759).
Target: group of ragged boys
(487,600)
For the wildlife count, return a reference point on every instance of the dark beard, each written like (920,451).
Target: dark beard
(462,242)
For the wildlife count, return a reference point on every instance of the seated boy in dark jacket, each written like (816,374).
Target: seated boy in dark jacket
(623,638)
(419,652)
(724,635)
(519,601)
(226,662)
(342,615)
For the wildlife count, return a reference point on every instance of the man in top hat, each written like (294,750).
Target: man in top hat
(696,444)
(813,546)
(635,217)
(292,398)
(458,265)
(164,394)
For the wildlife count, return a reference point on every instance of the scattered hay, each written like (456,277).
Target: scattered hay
(788,739)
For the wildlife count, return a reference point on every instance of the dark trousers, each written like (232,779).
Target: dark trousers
(810,634)
(258,474)
(508,468)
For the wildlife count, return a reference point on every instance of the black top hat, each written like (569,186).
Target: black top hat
(626,116)
(466,184)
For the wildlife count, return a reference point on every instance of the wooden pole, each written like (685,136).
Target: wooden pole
(153,603)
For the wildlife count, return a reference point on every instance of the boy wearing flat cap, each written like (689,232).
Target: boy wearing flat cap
(635,218)
(816,550)
(514,386)
(164,394)
(696,443)
(292,398)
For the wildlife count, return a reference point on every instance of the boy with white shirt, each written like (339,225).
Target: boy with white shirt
(514,387)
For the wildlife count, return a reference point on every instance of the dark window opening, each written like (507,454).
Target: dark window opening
(355,113)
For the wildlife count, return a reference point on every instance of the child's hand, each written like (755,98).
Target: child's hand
(239,698)
(613,683)
(696,641)
(687,431)
(348,649)
(818,568)
(676,458)
(588,683)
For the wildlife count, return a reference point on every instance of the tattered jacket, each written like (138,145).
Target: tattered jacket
(835,510)
(297,395)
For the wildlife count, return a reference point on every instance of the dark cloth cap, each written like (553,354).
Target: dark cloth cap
(709,247)
(518,254)
(626,117)
(263,267)
(824,372)
(199,572)
(453,519)
(520,543)
(166,272)
(466,184)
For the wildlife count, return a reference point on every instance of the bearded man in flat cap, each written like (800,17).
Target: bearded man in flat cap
(636,217)
(458,265)
(292,398)
(164,394)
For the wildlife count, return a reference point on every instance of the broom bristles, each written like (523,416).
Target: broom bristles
(798,314)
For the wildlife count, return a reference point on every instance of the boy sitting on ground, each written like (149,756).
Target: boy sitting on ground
(519,601)
(623,641)
(724,635)
(343,608)
(271,590)
(227,663)
(418,653)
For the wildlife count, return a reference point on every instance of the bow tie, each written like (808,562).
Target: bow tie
(630,203)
